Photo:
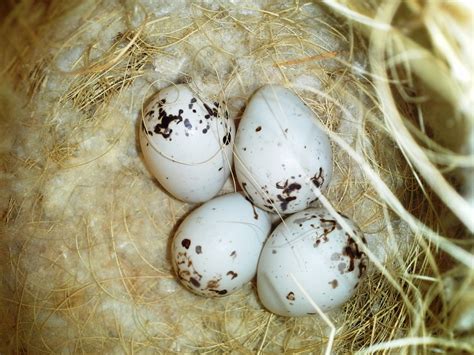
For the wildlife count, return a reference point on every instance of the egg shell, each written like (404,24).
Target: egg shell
(187,143)
(216,248)
(283,157)
(320,254)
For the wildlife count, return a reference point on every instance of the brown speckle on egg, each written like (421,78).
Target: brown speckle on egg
(255,214)
(258,129)
(290,296)
(352,251)
(328,225)
(286,195)
(186,243)
(333,283)
(186,271)
(164,121)
(227,138)
(212,112)
(195,282)
(198,249)
(318,179)
(232,274)
(213,284)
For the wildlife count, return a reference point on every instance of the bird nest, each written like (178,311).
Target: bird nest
(86,229)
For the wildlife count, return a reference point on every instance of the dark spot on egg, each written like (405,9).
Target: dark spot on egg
(318,179)
(233,254)
(212,284)
(258,129)
(195,282)
(220,168)
(187,124)
(290,296)
(352,251)
(211,112)
(232,274)
(227,138)
(285,197)
(274,251)
(164,120)
(255,214)
(186,243)
(328,226)
(198,249)
(204,130)
(193,100)
(333,283)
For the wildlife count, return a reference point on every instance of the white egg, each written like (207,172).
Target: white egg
(321,256)
(187,143)
(282,156)
(216,248)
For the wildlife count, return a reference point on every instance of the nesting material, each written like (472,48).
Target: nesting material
(86,230)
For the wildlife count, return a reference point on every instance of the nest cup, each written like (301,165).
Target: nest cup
(86,229)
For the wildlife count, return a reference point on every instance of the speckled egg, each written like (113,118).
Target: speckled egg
(216,248)
(283,159)
(187,143)
(313,247)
